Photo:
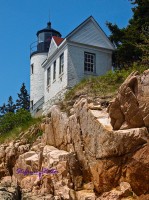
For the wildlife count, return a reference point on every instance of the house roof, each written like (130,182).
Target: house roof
(58,40)
(78,26)
(95,22)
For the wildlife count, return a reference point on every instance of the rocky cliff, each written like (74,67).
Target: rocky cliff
(87,155)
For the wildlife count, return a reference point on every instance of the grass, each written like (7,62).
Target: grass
(14,133)
(101,86)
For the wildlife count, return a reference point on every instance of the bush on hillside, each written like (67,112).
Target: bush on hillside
(105,85)
(11,120)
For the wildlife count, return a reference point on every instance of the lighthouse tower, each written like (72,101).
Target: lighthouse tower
(38,54)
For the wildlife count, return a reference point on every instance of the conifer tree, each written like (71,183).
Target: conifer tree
(10,107)
(3,109)
(132,41)
(23,100)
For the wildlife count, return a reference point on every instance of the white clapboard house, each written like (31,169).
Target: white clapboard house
(57,64)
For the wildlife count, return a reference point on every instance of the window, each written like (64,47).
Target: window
(54,70)
(48,76)
(32,68)
(41,37)
(89,62)
(61,67)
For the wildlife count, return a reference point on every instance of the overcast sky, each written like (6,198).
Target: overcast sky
(21,19)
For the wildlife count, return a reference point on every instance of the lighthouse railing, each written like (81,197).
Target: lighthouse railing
(33,47)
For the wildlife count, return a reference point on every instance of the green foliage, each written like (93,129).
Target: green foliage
(15,118)
(22,116)
(145,50)
(3,109)
(14,133)
(102,86)
(11,120)
(131,42)
(7,122)
(23,100)
(117,34)
(10,107)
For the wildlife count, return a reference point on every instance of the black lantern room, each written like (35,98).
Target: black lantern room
(44,37)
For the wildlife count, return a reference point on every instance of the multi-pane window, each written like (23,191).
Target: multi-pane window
(89,62)
(48,76)
(61,66)
(54,70)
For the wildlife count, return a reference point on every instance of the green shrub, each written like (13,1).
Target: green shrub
(22,116)
(11,120)
(7,122)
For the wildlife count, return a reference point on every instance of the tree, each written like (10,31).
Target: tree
(3,109)
(23,100)
(145,50)
(10,107)
(131,42)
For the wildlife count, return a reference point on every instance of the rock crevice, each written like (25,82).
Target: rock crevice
(92,156)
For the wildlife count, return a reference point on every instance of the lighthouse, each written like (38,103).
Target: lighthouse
(38,54)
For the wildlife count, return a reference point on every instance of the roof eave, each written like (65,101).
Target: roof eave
(57,50)
(74,30)
(94,21)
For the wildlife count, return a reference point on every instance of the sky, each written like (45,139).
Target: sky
(21,19)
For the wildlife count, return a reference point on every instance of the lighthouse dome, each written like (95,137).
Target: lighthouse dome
(44,37)
(48,29)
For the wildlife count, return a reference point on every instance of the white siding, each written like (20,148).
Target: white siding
(91,34)
(88,37)
(37,78)
(60,83)
(76,62)
(52,48)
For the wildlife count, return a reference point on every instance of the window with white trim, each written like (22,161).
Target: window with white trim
(61,66)
(48,76)
(54,70)
(89,62)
